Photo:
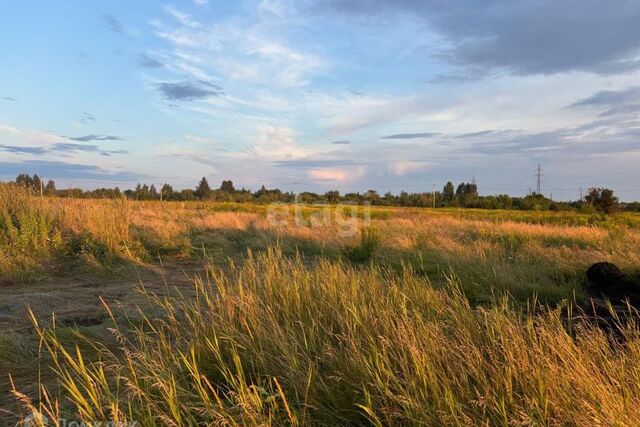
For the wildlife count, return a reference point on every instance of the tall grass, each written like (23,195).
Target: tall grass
(365,249)
(27,234)
(23,225)
(34,231)
(278,342)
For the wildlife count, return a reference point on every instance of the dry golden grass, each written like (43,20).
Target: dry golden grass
(508,254)
(420,317)
(276,342)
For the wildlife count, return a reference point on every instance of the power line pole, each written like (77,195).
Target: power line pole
(539,179)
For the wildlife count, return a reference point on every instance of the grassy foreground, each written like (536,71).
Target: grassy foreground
(416,317)
(275,342)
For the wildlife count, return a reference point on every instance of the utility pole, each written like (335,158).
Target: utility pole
(41,188)
(161,194)
(581,197)
(539,179)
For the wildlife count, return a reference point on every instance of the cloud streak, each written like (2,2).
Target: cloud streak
(112,23)
(66,170)
(23,150)
(93,137)
(613,102)
(86,118)
(411,135)
(62,147)
(188,91)
(145,61)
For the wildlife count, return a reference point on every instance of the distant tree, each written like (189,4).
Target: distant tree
(227,186)
(187,194)
(448,192)
(50,188)
(24,180)
(372,196)
(145,193)
(37,183)
(137,191)
(203,191)
(504,201)
(471,191)
(307,197)
(536,202)
(167,192)
(467,194)
(332,196)
(261,192)
(602,199)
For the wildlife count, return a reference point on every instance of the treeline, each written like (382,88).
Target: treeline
(464,195)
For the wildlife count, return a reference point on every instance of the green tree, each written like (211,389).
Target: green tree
(203,191)
(167,192)
(24,180)
(50,188)
(227,187)
(37,183)
(602,199)
(448,192)
(332,196)
(372,196)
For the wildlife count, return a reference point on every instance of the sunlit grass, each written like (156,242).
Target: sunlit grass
(275,342)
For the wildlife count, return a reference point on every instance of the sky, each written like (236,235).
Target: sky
(318,95)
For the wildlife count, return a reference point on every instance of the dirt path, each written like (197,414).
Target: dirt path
(76,301)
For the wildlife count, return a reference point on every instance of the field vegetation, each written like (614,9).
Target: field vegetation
(250,314)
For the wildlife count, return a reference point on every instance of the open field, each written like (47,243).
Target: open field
(202,313)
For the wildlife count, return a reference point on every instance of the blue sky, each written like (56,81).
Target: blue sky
(323,94)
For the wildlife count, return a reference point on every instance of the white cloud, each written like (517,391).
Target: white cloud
(200,140)
(182,17)
(279,143)
(238,49)
(275,7)
(341,175)
(32,136)
(405,167)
